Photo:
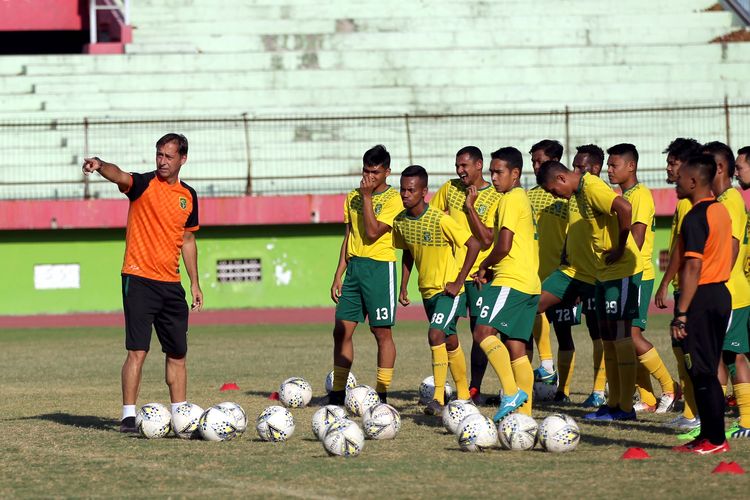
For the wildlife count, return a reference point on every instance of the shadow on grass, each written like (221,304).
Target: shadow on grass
(84,421)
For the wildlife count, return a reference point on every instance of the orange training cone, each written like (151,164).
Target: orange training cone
(635,454)
(728,468)
(229,386)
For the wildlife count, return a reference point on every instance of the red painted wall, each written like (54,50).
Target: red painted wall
(33,15)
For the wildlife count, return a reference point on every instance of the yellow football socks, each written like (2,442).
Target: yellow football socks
(627,364)
(656,367)
(340,377)
(384,378)
(600,374)
(566,361)
(541,337)
(440,371)
(643,383)
(524,376)
(742,393)
(690,409)
(613,374)
(457,366)
(499,359)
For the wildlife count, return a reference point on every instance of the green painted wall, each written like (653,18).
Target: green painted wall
(297,264)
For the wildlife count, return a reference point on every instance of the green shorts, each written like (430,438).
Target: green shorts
(369,290)
(508,311)
(576,297)
(644,300)
(617,300)
(443,311)
(472,294)
(564,314)
(736,338)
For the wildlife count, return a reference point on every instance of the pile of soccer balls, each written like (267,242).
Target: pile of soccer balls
(221,422)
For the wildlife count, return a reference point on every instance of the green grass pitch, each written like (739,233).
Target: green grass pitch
(60,401)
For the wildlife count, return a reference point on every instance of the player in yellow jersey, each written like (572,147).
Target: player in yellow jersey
(570,290)
(678,152)
(510,293)
(444,252)
(552,221)
(619,268)
(472,202)
(623,170)
(736,344)
(369,259)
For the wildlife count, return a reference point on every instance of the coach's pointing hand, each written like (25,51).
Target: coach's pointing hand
(91,165)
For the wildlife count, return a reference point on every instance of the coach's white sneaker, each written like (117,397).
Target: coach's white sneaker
(683,423)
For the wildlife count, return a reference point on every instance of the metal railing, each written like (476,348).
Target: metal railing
(741,8)
(120,9)
(243,155)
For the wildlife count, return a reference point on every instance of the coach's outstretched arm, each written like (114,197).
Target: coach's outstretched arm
(109,171)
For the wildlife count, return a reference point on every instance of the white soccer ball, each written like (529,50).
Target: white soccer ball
(351,381)
(517,432)
(358,399)
(427,390)
(275,423)
(559,433)
(344,438)
(217,425)
(236,411)
(324,417)
(455,411)
(476,433)
(153,420)
(185,420)
(544,392)
(295,392)
(381,421)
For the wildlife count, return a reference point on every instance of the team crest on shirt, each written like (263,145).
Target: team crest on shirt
(426,236)
(183,203)
(378,208)
(688,361)
(482,209)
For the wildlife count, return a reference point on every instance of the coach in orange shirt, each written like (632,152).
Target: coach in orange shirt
(704,306)
(162,218)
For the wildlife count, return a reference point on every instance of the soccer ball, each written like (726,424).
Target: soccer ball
(544,392)
(351,381)
(185,420)
(344,438)
(358,399)
(275,423)
(476,433)
(455,411)
(559,433)
(517,432)
(236,411)
(381,421)
(295,392)
(153,420)
(324,417)
(217,425)
(427,390)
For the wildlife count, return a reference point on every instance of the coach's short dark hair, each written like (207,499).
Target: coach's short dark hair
(704,165)
(377,155)
(416,171)
(548,170)
(510,155)
(744,151)
(622,149)
(474,153)
(552,149)
(682,148)
(594,152)
(719,148)
(181,140)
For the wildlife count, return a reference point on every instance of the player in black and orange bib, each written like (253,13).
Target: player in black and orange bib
(162,218)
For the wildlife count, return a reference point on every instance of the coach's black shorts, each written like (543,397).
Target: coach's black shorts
(707,320)
(161,304)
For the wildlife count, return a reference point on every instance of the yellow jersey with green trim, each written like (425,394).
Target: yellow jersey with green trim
(747,240)
(451,199)
(519,269)
(644,212)
(582,262)
(551,216)
(433,239)
(595,198)
(680,211)
(738,286)
(386,205)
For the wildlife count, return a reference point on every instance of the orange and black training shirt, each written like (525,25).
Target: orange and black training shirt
(158,217)
(707,235)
